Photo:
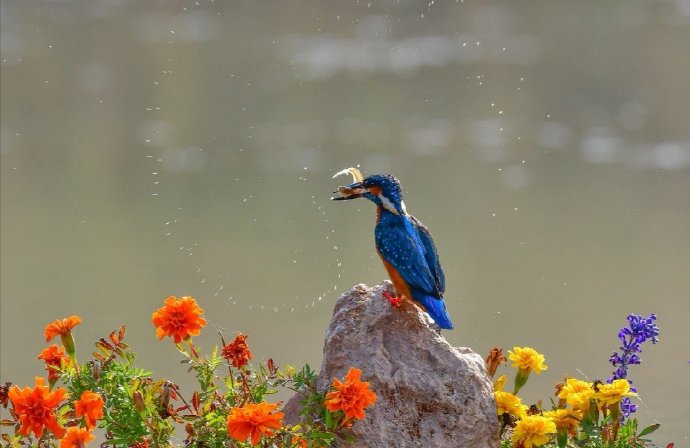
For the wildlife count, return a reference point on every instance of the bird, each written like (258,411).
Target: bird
(403,243)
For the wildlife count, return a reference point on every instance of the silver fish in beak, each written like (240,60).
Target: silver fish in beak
(352,191)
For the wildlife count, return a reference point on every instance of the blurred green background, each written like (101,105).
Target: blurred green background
(186,148)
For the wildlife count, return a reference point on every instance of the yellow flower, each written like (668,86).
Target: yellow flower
(533,430)
(610,394)
(507,403)
(525,358)
(500,382)
(577,393)
(566,420)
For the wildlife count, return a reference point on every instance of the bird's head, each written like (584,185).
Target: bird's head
(382,189)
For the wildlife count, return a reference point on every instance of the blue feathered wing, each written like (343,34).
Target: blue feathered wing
(407,245)
(431,255)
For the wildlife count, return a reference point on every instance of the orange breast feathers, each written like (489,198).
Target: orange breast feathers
(400,285)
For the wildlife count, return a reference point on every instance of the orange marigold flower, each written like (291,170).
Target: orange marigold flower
(254,421)
(237,351)
(351,397)
(179,319)
(90,406)
(76,437)
(35,408)
(61,327)
(300,442)
(55,359)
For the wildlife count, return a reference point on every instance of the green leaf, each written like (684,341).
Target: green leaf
(562,439)
(649,429)
(319,435)
(328,419)
(258,392)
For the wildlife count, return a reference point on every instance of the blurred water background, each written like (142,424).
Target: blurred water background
(186,148)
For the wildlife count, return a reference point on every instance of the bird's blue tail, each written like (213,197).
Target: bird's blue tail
(435,307)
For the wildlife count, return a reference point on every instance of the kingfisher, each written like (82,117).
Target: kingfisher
(404,244)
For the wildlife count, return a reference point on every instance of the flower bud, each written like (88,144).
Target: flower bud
(68,343)
(520,379)
(500,382)
(138,399)
(96,369)
(165,395)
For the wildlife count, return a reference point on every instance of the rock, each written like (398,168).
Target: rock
(429,394)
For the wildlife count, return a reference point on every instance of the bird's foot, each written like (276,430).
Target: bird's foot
(394,300)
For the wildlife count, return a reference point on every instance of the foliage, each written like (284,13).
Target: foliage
(136,410)
(229,407)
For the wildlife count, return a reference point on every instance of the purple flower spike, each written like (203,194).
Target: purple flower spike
(639,330)
(627,407)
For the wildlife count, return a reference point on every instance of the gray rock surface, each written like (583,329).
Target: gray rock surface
(429,394)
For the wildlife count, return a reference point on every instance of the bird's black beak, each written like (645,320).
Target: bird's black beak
(352,191)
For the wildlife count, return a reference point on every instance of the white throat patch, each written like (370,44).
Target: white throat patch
(388,205)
